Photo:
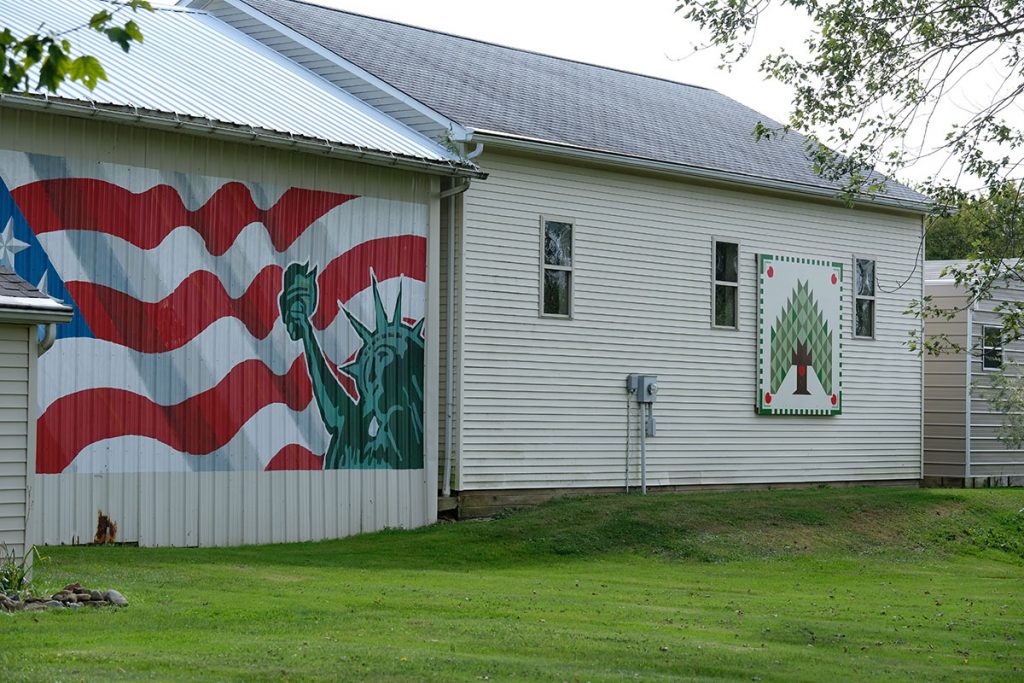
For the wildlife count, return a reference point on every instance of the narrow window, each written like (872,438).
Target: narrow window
(864,298)
(556,270)
(725,304)
(991,347)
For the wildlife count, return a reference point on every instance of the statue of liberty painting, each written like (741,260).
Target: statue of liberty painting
(383,428)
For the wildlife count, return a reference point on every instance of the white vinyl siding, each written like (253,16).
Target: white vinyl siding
(14,435)
(991,457)
(544,403)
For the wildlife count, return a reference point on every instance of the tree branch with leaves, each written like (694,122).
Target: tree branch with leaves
(50,53)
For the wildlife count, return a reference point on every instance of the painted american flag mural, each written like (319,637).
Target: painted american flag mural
(219,325)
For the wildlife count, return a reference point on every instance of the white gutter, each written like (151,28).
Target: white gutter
(449,346)
(205,126)
(548,147)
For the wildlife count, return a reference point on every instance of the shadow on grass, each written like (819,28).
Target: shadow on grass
(705,527)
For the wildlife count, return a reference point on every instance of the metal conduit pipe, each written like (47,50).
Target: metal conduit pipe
(449,346)
(49,336)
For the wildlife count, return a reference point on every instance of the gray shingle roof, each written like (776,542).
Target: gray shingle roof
(494,88)
(18,295)
(11,285)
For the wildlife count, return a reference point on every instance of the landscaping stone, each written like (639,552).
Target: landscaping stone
(73,596)
(116,598)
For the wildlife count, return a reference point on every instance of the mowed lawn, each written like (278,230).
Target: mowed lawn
(810,585)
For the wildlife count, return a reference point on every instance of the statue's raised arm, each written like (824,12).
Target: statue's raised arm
(384,426)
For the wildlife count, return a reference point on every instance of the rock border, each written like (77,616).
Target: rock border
(72,596)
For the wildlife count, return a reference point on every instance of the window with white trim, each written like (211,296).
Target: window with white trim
(725,298)
(556,267)
(863,298)
(991,347)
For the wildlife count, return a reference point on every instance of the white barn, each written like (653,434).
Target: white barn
(375,266)
(650,182)
(251,259)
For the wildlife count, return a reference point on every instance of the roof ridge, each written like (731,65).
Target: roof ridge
(499,45)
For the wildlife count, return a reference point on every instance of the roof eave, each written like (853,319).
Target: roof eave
(691,172)
(225,130)
(49,311)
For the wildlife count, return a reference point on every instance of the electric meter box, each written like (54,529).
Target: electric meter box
(647,388)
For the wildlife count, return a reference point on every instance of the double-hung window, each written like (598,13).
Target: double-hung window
(863,298)
(726,296)
(991,347)
(556,267)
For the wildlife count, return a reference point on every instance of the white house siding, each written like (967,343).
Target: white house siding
(544,401)
(227,507)
(990,456)
(15,444)
(945,387)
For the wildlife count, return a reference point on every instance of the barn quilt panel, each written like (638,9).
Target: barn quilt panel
(800,359)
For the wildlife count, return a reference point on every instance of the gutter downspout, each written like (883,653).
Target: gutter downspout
(449,347)
(49,336)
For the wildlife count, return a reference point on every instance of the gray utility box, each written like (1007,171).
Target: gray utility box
(647,388)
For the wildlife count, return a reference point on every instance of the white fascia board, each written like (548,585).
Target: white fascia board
(33,310)
(459,133)
(565,150)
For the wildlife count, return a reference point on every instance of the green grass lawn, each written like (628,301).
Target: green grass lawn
(811,585)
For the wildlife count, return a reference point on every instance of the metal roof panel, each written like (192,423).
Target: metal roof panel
(193,65)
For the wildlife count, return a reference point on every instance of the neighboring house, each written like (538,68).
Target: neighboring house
(617,233)
(22,310)
(961,429)
(250,257)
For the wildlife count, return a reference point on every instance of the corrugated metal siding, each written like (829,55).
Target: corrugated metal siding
(14,441)
(544,401)
(175,70)
(225,507)
(326,69)
(945,388)
(990,456)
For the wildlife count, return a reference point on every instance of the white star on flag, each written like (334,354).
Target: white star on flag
(10,245)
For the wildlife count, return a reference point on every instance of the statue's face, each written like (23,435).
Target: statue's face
(389,373)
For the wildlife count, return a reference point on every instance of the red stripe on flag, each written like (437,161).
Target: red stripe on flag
(349,274)
(146,218)
(201,300)
(295,457)
(198,425)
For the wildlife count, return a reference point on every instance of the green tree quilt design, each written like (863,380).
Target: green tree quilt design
(801,337)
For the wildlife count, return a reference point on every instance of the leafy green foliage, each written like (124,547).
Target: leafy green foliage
(14,573)
(985,226)
(50,54)
(874,72)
